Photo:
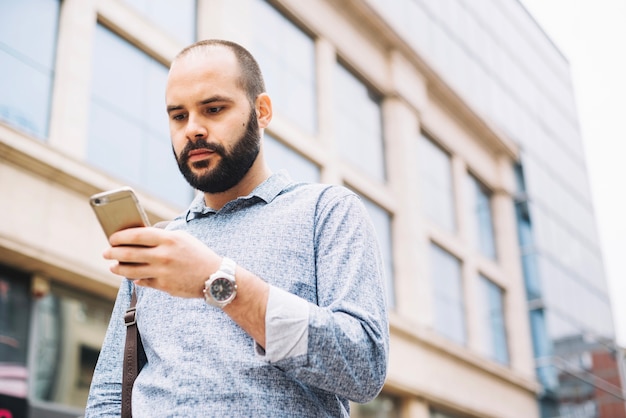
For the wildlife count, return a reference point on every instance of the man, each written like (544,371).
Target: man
(303,328)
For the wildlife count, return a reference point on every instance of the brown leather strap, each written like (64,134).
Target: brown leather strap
(133,350)
(131,363)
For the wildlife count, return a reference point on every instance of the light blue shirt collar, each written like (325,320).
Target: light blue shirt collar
(266,191)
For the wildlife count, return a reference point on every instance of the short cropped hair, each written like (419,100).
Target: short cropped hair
(251,79)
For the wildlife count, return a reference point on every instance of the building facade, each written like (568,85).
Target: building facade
(454,120)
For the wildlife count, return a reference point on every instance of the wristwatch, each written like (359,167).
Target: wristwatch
(221,287)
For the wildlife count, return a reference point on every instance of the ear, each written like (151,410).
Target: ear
(263,110)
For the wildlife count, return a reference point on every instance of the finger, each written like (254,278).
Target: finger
(128,254)
(140,236)
(133,271)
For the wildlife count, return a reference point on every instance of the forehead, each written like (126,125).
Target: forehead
(207,70)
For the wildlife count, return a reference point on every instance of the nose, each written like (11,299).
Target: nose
(195,129)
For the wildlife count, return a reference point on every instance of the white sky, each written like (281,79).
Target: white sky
(592,35)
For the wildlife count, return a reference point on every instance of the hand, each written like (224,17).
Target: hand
(172,261)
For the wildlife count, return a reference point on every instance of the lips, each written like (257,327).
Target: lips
(199,154)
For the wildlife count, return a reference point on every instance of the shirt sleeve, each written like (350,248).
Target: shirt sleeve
(286,326)
(348,331)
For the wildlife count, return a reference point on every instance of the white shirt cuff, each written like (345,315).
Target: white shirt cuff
(286,326)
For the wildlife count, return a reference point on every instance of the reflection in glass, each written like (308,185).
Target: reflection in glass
(14,329)
(542,347)
(529,255)
(128,127)
(436,189)
(48,313)
(280,156)
(286,56)
(382,224)
(439,414)
(358,124)
(481,218)
(448,305)
(384,406)
(27,63)
(71,328)
(491,305)
(179,22)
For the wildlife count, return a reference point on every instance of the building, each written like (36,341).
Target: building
(454,120)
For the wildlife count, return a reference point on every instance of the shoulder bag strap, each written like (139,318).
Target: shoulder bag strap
(132,350)
(131,363)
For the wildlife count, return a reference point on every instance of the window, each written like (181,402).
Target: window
(279,156)
(14,327)
(542,347)
(70,330)
(435,180)
(384,406)
(382,224)
(358,124)
(491,304)
(525,237)
(448,306)
(481,219)
(440,414)
(179,22)
(27,63)
(286,56)
(128,127)
(530,267)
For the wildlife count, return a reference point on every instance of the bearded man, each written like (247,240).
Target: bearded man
(265,298)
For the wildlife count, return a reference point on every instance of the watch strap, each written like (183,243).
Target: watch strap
(228,266)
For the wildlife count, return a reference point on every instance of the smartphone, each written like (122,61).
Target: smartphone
(118,209)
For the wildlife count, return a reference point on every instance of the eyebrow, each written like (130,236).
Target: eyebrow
(213,99)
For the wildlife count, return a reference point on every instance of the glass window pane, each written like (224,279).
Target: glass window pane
(179,21)
(384,406)
(27,63)
(17,20)
(440,414)
(280,156)
(128,129)
(358,124)
(382,223)
(286,56)
(448,305)
(481,224)
(14,330)
(71,328)
(542,347)
(436,189)
(491,304)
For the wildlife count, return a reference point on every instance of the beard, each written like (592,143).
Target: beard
(231,168)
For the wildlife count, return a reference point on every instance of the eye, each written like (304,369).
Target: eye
(178,116)
(216,109)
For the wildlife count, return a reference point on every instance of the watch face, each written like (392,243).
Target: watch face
(221,289)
